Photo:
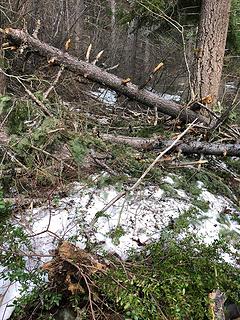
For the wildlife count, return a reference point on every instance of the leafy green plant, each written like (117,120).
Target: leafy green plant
(79,150)
(173,277)
(5,208)
(234,34)
(21,112)
(29,301)
(144,10)
(215,183)
(5,103)
(201,204)
(116,234)
(29,146)
(15,245)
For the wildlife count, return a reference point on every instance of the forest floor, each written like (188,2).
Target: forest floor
(61,177)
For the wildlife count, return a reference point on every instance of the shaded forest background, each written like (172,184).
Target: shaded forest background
(135,36)
(52,133)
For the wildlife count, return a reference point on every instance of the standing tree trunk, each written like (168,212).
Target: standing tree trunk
(147,53)
(131,49)
(211,41)
(2,76)
(112,4)
(113,44)
(79,28)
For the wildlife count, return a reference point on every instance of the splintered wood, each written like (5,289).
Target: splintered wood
(96,74)
(70,267)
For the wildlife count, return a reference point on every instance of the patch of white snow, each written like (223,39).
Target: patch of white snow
(128,223)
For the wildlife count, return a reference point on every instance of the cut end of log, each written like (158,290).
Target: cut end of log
(7,30)
(52,60)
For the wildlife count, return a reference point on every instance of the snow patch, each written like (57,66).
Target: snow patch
(129,223)
(105,95)
(8,292)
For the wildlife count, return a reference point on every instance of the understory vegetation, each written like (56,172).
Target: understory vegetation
(170,279)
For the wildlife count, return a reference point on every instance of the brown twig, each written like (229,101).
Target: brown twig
(13,158)
(46,94)
(31,95)
(151,75)
(37,101)
(52,156)
(103,165)
(187,164)
(89,295)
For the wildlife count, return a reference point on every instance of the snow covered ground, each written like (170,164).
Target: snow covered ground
(130,222)
(106,96)
(109,97)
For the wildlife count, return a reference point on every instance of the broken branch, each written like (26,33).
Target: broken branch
(137,183)
(191,147)
(102,77)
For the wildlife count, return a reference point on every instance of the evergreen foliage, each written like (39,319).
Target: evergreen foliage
(234,26)
(173,277)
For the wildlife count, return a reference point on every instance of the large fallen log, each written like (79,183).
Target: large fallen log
(191,147)
(19,37)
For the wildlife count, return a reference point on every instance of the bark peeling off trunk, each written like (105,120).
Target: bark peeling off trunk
(102,77)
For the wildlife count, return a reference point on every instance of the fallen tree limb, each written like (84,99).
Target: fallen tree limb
(149,168)
(191,147)
(96,74)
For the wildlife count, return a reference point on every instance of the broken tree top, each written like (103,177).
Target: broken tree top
(96,74)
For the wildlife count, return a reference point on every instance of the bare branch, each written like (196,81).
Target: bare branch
(98,75)
(122,194)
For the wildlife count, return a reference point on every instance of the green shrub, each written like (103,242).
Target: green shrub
(173,277)
(5,208)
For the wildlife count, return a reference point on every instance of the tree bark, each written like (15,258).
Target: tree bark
(217,299)
(131,49)
(191,147)
(104,78)
(113,7)
(2,76)
(147,53)
(79,27)
(211,41)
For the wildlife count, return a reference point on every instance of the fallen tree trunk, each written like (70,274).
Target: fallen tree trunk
(216,149)
(96,74)
(191,147)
